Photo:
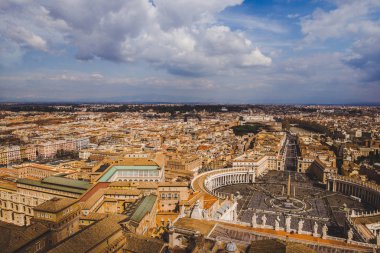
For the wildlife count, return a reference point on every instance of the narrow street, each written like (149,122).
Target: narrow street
(291,153)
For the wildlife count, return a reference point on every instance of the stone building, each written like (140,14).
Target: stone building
(60,215)
(18,200)
(30,239)
(133,170)
(105,235)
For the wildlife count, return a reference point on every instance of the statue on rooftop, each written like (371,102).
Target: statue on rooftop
(315,229)
(324,231)
(254,220)
(300,226)
(277,223)
(350,235)
(170,224)
(183,214)
(288,220)
(264,220)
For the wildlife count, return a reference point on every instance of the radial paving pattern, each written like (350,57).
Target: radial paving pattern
(308,201)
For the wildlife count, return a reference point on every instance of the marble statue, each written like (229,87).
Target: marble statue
(350,235)
(324,231)
(288,220)
(183,214)
(264,220)
(170,224)
(315,229)
(300,226)
(254,220)
(277,223)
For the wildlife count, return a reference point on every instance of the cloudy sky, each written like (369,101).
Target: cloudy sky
(217,51)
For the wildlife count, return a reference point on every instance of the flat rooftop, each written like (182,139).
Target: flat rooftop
(112,170)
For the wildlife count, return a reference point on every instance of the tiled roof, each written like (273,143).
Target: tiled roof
(55,205)
(88,238)
(128,192)
(142,244)
(44,184)
(278,246)
(143,208)
(93,190)
(13,237)
(84,185)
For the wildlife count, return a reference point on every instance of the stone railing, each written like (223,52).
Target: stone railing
(355,228)
(356,214)
(308,242)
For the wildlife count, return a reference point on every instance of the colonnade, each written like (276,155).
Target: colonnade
(236,176)
(351,187)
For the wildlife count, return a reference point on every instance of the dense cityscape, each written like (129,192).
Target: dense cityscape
(189,178)
(190,126)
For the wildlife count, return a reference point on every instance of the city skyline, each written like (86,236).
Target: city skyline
(230,51)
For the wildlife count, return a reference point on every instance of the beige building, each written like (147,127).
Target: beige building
(310,150)
(15,207)
(171,194)
(34,170)
(133,170)
(17,201)
(321,171)
(141,215)
(60,215)
(105,235)
(10,154)
(184,162)
(267,153)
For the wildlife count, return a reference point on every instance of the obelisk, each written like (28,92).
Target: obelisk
(288,193)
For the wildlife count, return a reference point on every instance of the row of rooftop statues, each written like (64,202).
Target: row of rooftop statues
(288,220)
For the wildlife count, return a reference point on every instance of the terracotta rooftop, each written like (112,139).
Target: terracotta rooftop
(278,246)
(136,162)
(13,237)
(87,239)
(55,205)
(93,190)
(141,244)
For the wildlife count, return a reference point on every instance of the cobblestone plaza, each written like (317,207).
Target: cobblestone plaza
(313,204)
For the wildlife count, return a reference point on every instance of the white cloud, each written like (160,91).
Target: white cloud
(25,25)
(348,18)
(181,36)
(356,22)
(23,36)
(293,15)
